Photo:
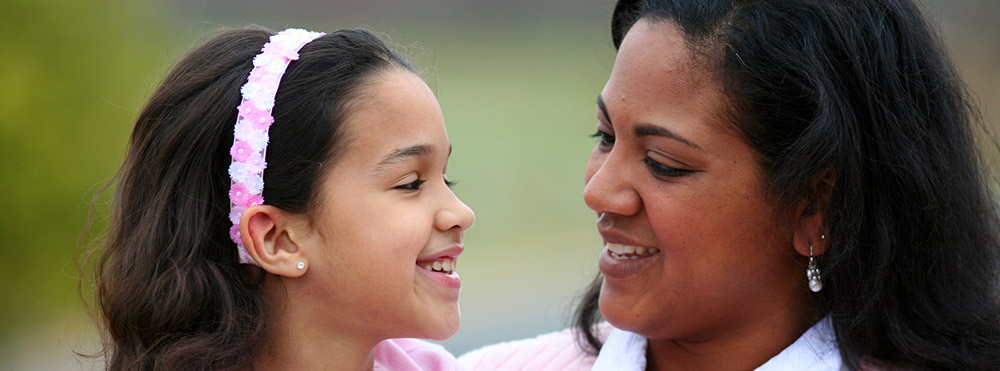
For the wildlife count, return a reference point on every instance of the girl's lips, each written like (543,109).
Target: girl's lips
(449,280)
(440,266)
(451,252)
(619,268)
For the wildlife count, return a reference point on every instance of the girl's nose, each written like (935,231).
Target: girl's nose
(454,215)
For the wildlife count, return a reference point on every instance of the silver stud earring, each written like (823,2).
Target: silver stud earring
(301,265)
(813,274)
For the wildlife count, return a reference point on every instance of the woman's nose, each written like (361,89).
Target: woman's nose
(610,185)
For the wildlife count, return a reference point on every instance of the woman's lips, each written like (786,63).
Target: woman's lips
(620,261)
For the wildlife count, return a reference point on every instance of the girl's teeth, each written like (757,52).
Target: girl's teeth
(442,265)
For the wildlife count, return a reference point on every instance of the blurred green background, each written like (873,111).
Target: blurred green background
(516,80)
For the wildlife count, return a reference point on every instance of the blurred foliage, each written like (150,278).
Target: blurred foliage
(72,76)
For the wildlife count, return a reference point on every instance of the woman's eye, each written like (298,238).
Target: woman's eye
(664,170)
(450,183)
(412,186)
(607,140)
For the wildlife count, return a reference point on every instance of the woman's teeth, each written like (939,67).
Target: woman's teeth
(626,252)
(440,265)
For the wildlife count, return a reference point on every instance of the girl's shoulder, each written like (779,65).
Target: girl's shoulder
(413,355)
(559,350)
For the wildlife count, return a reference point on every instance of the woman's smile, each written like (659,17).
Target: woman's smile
(624,257)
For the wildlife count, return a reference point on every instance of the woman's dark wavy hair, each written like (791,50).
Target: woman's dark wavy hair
(863,88)
(171,293)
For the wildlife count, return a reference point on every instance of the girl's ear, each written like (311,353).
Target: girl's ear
(268,237)
(811,223)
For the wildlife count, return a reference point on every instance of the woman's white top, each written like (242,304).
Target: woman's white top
(815,350)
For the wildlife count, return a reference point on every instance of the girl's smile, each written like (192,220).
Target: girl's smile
(440,267)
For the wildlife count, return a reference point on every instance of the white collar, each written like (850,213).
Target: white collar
(815,350)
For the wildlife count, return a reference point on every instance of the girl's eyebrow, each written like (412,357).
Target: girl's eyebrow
(400,154)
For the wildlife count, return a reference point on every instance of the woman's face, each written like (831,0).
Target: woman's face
(693,248)
(389,229)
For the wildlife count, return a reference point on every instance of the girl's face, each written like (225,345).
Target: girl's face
(694,249)
(389,230)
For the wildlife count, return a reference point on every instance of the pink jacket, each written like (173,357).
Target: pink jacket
(552,351)
(412,355)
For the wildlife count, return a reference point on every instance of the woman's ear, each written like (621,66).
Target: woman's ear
(269,238)
(811,224)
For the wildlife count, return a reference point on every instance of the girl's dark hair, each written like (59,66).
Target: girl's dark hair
(170,290)
(863,90)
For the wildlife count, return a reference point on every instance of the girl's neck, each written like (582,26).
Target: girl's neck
(304,339)
(301,347)
(307,352)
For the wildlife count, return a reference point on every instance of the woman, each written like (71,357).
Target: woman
(782,185)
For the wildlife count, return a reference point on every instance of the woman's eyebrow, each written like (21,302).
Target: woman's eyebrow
(643,130)
(604,110)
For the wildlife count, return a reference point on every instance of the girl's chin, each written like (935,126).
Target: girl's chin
(439,320)
(444,330)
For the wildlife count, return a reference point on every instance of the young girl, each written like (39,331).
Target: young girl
(284,205)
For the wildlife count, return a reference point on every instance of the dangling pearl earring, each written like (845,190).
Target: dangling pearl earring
(813,274)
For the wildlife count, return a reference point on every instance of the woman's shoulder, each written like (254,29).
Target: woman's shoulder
(559,350)
(413,355)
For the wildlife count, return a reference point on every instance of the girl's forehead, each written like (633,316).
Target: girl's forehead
(398,113)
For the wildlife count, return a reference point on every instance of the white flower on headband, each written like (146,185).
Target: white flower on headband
(255,185)
(250,138)
(256,138)
(240,173)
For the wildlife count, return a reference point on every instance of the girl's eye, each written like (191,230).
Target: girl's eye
(606,141)
(412,186)
(450,183)
(664,170)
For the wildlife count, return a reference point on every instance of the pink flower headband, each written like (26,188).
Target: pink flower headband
(250,140)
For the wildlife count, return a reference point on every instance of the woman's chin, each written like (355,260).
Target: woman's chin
(621,310)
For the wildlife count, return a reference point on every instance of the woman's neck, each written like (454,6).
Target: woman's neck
(744,348)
